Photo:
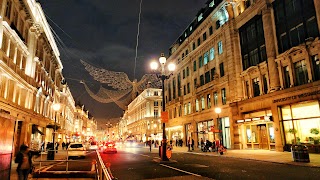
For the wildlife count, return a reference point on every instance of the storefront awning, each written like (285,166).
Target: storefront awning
(36,130)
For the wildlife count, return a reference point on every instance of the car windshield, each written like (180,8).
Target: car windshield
(76,146)
(93,143)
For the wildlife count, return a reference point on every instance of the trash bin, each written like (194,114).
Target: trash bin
(50,154)
(300,153)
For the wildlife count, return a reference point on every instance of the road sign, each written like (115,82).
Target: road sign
(164,116)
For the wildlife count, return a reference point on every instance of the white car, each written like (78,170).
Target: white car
(76,150)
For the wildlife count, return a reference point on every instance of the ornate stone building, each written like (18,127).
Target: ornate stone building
(143,116)
(257,60)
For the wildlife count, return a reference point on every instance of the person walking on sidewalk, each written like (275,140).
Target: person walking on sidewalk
(189,144)
(192,144)
(24,161)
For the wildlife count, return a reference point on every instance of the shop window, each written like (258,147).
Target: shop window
(271,133)
(304,125)
(316,67)
(256,87)
(301,72)
(286,75)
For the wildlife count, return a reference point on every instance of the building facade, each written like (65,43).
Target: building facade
(143,116)
(258,61)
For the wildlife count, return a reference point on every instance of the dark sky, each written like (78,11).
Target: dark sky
(104,32)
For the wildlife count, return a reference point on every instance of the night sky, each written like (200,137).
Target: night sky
(104,33)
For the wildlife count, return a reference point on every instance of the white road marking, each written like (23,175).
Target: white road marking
(180,170)
(144,155)
(45,169)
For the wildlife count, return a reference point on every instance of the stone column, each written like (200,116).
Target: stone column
(276,126)
(269,35)
(34,33)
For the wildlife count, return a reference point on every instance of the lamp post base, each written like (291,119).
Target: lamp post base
(164,150)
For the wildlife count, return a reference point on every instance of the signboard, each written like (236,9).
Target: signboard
(164,116)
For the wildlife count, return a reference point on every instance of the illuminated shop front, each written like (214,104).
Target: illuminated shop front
(257,130)
(301,124)
(204,131)
(175,133)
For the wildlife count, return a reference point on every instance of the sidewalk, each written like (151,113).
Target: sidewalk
(258,155)
(58,156)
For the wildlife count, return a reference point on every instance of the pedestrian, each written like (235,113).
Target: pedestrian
(202,144)
(63,145)
(24,161)
(177,142)
(42,146)
(57,146)
(189,144)
(192,144)
(149,143)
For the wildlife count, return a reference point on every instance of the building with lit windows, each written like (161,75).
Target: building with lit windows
(143,116)
(258,61)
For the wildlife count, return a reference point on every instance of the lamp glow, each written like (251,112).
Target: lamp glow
(217,110)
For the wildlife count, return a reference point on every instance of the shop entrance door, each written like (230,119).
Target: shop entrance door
(263,137)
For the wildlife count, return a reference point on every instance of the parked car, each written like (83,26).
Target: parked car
(76,150)
(109,147)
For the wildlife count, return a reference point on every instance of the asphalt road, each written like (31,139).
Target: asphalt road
(139,163)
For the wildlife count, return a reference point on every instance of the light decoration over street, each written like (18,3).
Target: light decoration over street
(122,91)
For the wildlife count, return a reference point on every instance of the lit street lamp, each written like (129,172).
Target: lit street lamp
(218,111)
(109,125)
(171,67)
(56,107)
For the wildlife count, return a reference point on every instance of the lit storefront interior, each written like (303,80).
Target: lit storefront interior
(257,130)
(175,133)
(301,124)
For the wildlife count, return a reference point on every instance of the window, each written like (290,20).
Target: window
(194,65)
(155,93)
(203,105)
(193,46)
(211,52)
(187,52)
(189,108)
(201,80)
(155,103)
(180,111)
(200,17)
(183,74)
(197,105)
(156,113)
(286,74)
(206,58)
(316,67)
(188,88)
(256,87)
(195,83)
(265,84)
(200,61)
(220,49)
(215,98)
(221,70)
(207,77)
(199,41)
(247,89)
(204,36)
(182,56)
(208,101)
(301,72)
(210,30)
(179,85)
(8,9)
(295,21)
(185,109)
(174,87)
(184,90)
(213,71)
(223,96)
(187,71)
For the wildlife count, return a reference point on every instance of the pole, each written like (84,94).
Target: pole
(54,134)
(164,138)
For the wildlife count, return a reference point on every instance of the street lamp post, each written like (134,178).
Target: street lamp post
(109,125)
(171,67)
(218,111)
(56,108)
